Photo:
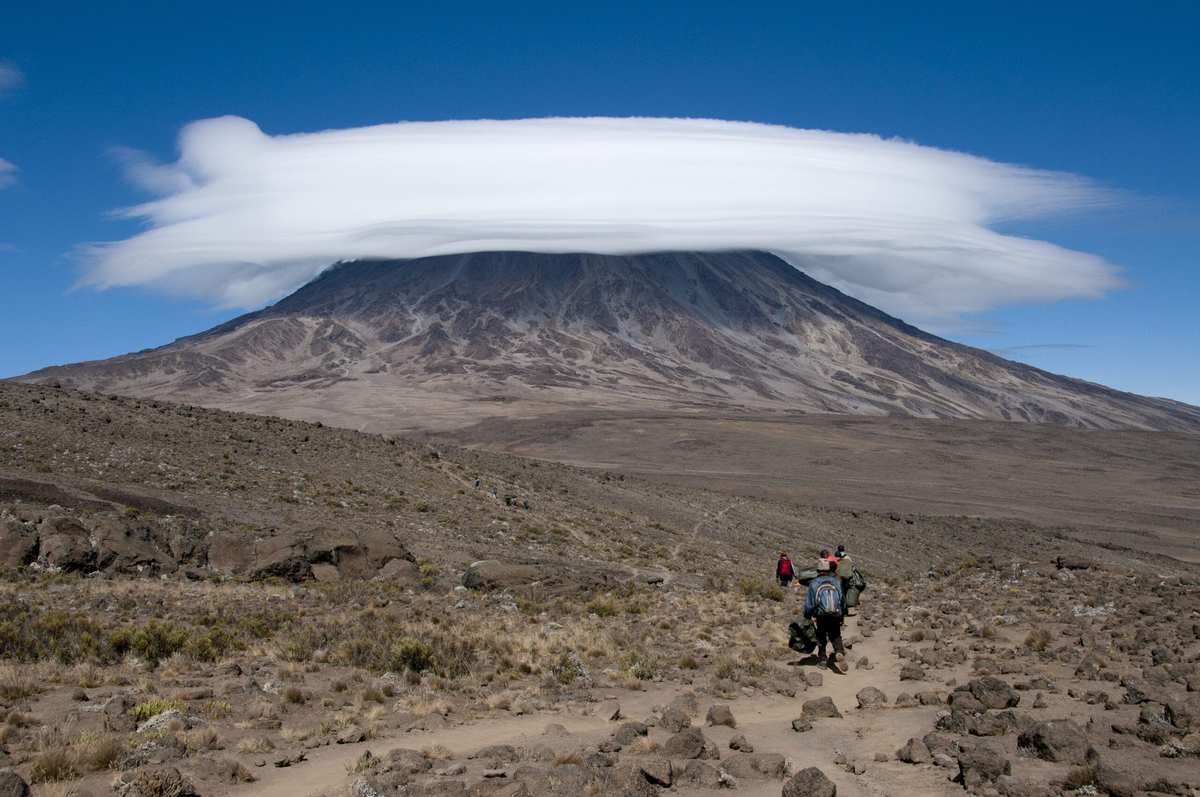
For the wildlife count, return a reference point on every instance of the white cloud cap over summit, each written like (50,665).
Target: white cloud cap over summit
(243,217)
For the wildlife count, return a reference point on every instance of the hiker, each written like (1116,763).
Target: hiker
(477,484)
(825,605)
(853,583)
(784,570)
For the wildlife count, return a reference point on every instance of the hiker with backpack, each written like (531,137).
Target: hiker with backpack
(825,605)
(853,583)
(784,570)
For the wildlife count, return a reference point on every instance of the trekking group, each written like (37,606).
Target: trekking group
(832,591)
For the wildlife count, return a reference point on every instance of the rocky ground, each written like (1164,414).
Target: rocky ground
(196,602)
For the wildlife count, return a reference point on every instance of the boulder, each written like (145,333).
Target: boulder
(914,751)
(720,715)
(740,742)
(18,544)
(131,549)
(911,672)
(658,771)
(981,764)
(810,782)
(13,785)
(629,732)
(1061,741)
(821,707)
(674,718)
(491,574)
(1183,711)
(1112,778)
(870,697)
(699,774)
(994,693)
(689,743)
(755,765)
(66,545)
(406,761)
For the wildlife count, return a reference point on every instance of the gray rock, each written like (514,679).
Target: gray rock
(810,782)
(994,693)
(658,771)
(870,697)
(699,774)
(721,715)
(981,764)
(674,719)
(914,751)
(755,765)
(739,742)
(1061,741)
(819,708)
(688,743)
(406,761)
(629,732)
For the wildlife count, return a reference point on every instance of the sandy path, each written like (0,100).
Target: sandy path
(764,719)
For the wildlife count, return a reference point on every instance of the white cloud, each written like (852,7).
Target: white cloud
(244,217)
(8,173)
(10,77)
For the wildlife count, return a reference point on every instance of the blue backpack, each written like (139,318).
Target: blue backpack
(828,600)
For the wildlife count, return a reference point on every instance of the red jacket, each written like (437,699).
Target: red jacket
(784,568)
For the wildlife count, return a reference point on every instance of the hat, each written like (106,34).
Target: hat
(822,565)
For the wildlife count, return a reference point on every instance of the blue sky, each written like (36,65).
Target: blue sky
(1068,87)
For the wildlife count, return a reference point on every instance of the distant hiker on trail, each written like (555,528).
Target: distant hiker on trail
(825,605)
(477,484)
(784,570)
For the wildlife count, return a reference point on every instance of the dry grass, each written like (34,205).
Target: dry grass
(18,682)
(255,744)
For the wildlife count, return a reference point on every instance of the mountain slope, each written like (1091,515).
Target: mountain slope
(442,341)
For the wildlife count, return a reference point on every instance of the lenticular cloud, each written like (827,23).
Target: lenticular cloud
(243,217)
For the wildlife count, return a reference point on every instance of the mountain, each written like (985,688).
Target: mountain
(441,342)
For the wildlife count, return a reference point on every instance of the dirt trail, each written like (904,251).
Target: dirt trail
(764,719)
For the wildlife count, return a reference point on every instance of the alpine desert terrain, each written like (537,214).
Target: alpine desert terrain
(195,601)
(442,342)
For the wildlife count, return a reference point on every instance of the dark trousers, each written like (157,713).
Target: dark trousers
(784,579)
(829,631)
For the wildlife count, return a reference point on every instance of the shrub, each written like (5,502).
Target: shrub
(759,590)
(98,752)
(293,695)
(30,635)
(1038,639)
(602,606)
(17,684)
(152,708)
(152,642)
(213,644)
(52,765)
(411,654)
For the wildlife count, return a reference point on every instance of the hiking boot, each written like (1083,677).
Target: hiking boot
(821,657)
(838,664)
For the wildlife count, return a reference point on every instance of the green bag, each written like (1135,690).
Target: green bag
(802,636)
(805,576)
(852,593)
